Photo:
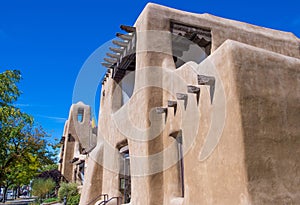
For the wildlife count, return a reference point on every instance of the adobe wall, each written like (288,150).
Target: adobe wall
(157,17)
(77,137)
(255,161)
(255,158)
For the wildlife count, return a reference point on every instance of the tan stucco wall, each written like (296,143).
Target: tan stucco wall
(81,137)
(256,159)
(156,17)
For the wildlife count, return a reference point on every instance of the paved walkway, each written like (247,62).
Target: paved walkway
(19,201)
(23,202)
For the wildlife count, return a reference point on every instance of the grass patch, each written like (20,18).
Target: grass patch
(50,200)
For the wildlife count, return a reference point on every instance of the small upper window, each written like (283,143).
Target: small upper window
(189,43)
(80,115)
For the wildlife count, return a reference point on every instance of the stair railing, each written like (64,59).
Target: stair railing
(105,196)
(119,200)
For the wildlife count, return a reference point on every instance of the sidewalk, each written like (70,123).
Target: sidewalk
(18,201)
(25,202)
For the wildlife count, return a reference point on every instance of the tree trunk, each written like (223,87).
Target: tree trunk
(15,193)
(18,191)
(4,194)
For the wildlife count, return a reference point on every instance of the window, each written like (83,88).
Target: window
(127,85)
(189,43)
(71,138)
(124,173)
(178,137)
(80,115)
(81,171)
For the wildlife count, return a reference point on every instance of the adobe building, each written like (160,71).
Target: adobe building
(197,109)
(78,139)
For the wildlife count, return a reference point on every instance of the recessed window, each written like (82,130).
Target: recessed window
(80,115)
(177,135)
(124,173)
(81,171)
(127,85)
(71,138)
(189,43)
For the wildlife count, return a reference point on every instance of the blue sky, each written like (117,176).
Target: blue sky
(49,41)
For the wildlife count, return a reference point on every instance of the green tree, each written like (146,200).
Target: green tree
(8,87)
(23,148)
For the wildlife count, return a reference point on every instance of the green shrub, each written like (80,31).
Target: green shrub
(42,187)
(74,200)
(70,191)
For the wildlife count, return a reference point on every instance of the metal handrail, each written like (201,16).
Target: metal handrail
(119,199)
(104,195)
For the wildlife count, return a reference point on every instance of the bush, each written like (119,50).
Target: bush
(70,191)
(74,200)
(54,174)
(42,187)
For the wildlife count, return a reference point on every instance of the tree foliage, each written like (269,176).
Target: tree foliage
(23,148)
(49,167)
(8,87)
